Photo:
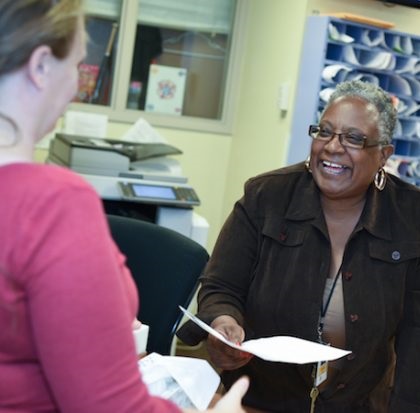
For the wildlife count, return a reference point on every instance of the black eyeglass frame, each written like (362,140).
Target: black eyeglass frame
(315,129)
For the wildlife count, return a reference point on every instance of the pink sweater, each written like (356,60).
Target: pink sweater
(67,301)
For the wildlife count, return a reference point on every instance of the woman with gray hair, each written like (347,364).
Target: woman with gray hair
(327,250)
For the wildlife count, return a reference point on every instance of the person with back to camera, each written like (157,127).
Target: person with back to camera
(67,300)
(326,250)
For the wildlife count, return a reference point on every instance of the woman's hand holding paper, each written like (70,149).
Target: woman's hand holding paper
(223,356)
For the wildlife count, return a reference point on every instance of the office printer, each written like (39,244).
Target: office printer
(133,179)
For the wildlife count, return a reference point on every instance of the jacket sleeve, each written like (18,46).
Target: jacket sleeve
(225,283)
(406,392)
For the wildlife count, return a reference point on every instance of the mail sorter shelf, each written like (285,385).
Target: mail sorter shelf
(372,58)
(335,50)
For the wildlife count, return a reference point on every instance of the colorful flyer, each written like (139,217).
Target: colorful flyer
(165,89)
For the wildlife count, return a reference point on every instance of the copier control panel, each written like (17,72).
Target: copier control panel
(160,194)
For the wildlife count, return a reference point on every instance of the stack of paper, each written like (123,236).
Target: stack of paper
(335,73)
(400,44)
(337,36)
(186,381)
(407,64)
(398,85)
(364,77)
(372,38)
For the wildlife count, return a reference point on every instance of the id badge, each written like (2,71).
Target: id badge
(321,372)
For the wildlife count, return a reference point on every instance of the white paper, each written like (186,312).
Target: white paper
(414,87)
(329,73)
(279,348)
(349,56)
(400,44)
(372,38)
(407,65)
(399,85)
(377,60)
(326,93)
(336,35)
(410,128)
(187,381)
(407,45)
(411,107)
(143,132)
(365,77)
(85,124)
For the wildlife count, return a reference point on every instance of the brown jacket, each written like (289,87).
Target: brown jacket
(268,270)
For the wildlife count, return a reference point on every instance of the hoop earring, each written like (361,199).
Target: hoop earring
(14,128)
(308,164)
(380,179)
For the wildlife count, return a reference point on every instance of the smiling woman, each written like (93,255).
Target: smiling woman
(346,166)
(327,250)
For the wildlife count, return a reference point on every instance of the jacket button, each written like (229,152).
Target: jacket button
(354,317)
(341,386)
(351,356)
(348,275)
(282,236)
(396,255)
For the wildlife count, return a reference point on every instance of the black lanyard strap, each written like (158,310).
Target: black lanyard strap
(324,307)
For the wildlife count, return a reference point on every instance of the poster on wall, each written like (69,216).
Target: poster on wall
(165,89)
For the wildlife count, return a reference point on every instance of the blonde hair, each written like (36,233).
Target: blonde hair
(27,24)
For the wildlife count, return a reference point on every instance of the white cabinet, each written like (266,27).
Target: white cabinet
(335,50)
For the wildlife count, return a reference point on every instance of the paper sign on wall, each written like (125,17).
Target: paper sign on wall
(165,89)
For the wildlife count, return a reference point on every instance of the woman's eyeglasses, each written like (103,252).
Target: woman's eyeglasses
(349,139)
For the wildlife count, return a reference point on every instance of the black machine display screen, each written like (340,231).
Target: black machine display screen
(150,191)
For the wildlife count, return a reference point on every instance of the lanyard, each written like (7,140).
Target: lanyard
(321,368)
(324,307)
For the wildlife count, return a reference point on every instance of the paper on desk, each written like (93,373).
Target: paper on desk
(186,381)
(279,348)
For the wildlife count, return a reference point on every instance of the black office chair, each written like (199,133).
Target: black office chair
(165,266)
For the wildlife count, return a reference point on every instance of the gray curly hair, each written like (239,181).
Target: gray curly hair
(374,95)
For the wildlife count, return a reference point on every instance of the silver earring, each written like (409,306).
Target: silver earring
(308,164)
(380,179)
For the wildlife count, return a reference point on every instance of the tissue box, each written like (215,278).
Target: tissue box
(140,338)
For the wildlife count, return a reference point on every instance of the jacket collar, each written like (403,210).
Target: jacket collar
(375,216)
(306,205)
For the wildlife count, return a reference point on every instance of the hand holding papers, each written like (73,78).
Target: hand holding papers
(280,348)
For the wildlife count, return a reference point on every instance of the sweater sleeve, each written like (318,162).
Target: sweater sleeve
(78,294)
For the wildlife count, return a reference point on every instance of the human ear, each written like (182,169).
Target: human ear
(40,65)
(387,151)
